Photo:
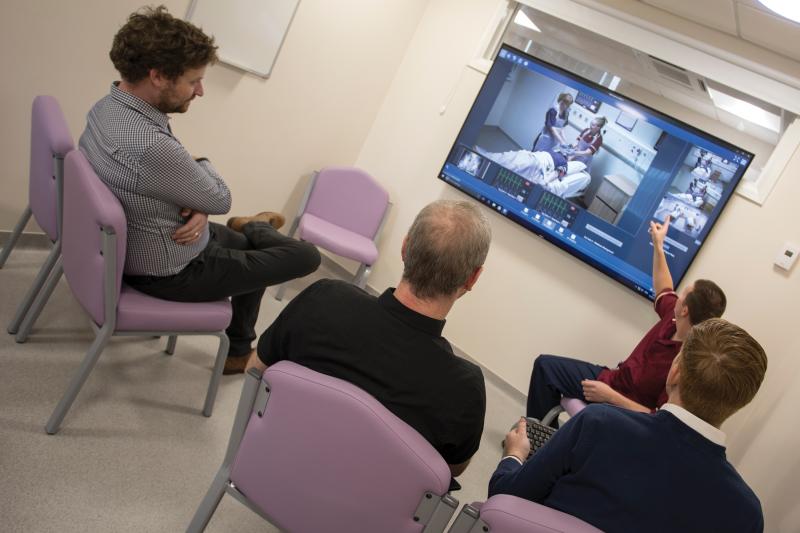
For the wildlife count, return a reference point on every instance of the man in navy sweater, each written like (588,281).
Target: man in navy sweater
(621,470)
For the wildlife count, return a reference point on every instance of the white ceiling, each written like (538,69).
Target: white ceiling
(746,19)
(590,55)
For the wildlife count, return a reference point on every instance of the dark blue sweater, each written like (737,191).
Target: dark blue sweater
(632,472)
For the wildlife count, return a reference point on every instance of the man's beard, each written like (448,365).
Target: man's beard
(168,105)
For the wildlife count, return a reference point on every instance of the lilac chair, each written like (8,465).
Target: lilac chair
(309,452)
(509,514)
(95,233)
(343,211)
(50,142)
(571,405)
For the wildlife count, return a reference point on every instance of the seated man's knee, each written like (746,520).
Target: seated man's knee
(308,257)
(543,360)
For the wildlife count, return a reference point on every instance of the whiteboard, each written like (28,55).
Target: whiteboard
(249,33)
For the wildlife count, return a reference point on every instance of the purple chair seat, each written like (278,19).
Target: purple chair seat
(509,514)
(137,311)
(572,405)
(337,239)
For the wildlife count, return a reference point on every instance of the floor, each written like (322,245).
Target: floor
(134,453)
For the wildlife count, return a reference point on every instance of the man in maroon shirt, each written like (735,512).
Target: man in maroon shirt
(638,382)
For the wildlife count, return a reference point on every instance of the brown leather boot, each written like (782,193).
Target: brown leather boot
(276,220)
(235,365)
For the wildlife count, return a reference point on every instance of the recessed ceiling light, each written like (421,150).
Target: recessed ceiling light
(789,9)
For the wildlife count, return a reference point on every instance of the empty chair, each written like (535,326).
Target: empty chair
(95,232)
(509,514)
(50,142)
(571,405)
(309,452)
(343,211)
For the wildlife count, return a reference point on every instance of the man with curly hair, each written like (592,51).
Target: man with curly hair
(173,252)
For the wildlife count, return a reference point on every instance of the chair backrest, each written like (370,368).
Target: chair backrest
(349,198)
(327,456)
(89,209)
(50,138)
(509,514)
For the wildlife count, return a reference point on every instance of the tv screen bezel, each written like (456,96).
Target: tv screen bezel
(585,258)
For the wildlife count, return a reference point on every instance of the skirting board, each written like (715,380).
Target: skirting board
(30,240)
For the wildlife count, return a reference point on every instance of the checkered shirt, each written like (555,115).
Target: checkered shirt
(131,147)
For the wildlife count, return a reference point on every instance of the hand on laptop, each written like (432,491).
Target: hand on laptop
(517,443)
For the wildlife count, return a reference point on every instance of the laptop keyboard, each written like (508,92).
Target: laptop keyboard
(538,434)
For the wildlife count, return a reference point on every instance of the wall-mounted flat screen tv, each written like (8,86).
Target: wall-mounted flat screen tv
(588,169)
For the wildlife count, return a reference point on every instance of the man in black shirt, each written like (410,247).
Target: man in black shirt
(391,346)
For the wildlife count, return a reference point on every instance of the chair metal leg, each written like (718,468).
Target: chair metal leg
(210,502)
(41,278)
(40,301)
(171,342)
(468,521)
(78,379)
(360,280)
(12,240)
(221,483)
(552,414)
(216,374)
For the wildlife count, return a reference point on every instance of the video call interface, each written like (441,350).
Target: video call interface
(589,169)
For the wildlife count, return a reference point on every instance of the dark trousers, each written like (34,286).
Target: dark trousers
(236,265)
(554,377)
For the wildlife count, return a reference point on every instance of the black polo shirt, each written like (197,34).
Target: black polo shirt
(397,355)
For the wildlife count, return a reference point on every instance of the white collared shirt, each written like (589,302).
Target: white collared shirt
(705,429)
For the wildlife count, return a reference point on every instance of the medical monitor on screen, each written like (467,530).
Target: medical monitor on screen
(589,169)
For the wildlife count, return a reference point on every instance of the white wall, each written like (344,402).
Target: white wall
(538,299)
(264,136)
